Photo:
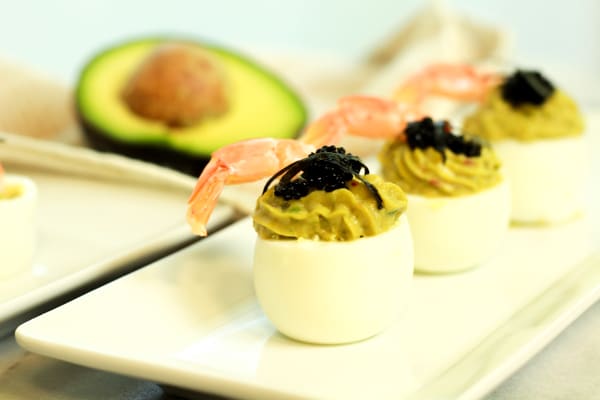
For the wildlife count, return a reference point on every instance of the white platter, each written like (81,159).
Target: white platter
(191,321)
(97,215)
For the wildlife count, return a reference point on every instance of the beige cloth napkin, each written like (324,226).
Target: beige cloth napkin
(436,34)
(36,105)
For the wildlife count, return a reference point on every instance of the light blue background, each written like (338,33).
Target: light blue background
(58,36)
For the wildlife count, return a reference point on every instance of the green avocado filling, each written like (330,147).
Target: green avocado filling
(340,215)
(9,192)
(496,119)
(424,171)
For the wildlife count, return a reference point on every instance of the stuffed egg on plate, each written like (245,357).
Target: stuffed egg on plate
(334,255)
(459,201)
(537,132)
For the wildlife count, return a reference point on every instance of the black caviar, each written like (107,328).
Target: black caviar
(329,168)
(526,87)
(438,135)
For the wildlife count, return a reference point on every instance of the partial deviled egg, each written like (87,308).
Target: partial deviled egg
(18,198)
(458,201)
(334,257)
(537,132)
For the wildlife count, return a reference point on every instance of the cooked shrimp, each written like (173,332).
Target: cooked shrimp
(461,82)
(244,161)
(366,116)
(254,159)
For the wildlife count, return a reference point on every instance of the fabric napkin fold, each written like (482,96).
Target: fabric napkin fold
(436,34)
(35,105)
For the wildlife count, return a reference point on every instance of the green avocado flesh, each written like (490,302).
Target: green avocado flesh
(260,105)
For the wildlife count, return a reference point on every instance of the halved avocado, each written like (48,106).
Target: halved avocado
(259,104)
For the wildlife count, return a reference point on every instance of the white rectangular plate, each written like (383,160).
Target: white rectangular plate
(97,214)
(191,320)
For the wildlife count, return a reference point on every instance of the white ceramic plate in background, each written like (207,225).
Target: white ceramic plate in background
(92,226)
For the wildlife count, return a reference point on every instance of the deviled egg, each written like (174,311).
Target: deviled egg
(334,255)
(459,202)
(537,132)
(18,197)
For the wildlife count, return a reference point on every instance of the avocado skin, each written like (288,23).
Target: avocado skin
(187,163)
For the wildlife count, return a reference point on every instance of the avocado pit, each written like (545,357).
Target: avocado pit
(177,84)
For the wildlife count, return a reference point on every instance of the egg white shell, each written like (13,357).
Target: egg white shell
(456,233)
(17,227)
(547,178)
(334,292)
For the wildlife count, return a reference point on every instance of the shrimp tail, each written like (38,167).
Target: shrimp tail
(205,196)
(326,130)
(456,81)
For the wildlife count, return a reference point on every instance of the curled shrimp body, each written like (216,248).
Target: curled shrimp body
(456,81)
(254,159)
(244,161)
(364,116)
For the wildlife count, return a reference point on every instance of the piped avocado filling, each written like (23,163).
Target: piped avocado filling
(525,107)
(434,162)
(325,197)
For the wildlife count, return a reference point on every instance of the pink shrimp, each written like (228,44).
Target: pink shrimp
(361,116)
(244,161)
(461,82)
(254,159)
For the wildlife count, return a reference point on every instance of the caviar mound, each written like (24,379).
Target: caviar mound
(329,168)
(438,135)
(253,102)
(526,87)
